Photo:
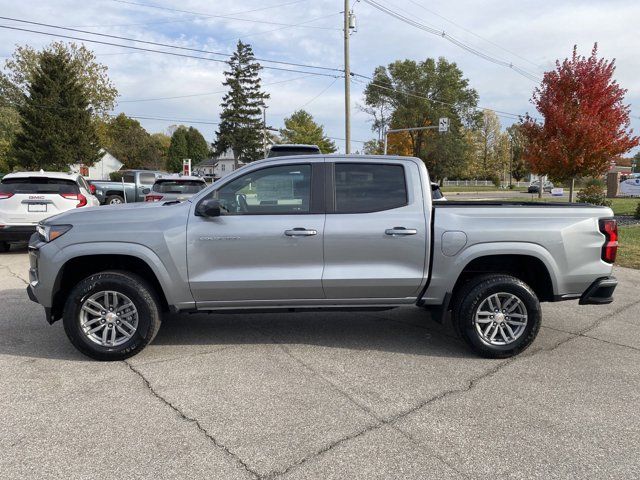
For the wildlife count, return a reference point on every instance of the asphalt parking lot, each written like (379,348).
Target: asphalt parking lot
(321,396)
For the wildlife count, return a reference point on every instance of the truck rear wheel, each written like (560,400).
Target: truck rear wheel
(114,200)
(111,315)
(498,316)
(4,247)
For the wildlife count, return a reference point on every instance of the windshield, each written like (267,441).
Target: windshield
(178,186)
(31,185)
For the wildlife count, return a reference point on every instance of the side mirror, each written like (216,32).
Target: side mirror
(146,190)
(208,208)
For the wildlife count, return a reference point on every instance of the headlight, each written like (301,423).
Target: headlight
(49,233)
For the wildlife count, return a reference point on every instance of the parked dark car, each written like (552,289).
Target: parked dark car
(534,187)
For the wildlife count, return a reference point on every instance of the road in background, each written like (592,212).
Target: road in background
(383,395)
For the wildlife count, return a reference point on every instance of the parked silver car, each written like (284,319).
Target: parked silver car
(169,188)
(320,232)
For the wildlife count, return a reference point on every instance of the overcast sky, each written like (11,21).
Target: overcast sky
(529,34)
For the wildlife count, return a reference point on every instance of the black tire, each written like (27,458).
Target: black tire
(471,297)
(4,247)
(141,295)
(114,200)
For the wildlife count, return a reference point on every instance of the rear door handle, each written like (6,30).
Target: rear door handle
(400,231)
(300,232)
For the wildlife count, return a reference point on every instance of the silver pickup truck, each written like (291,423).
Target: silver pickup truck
(319,232)
(133,187)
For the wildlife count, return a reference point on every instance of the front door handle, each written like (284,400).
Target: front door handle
(400,231)
(300,232)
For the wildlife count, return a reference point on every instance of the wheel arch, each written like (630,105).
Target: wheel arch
(131,258)
(527,267)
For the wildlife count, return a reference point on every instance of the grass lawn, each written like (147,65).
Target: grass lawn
(469,189)
(620,206)
(629,249)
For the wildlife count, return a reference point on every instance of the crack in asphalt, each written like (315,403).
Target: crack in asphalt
(194,421)
(391,421)
(14,274)
(380,421)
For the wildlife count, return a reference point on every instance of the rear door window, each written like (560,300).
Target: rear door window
(369,187)
(38,185)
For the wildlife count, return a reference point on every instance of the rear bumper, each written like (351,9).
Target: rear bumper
(600,292)
(18,233)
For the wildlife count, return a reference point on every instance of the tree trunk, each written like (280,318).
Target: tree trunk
(541,188)
(571,187)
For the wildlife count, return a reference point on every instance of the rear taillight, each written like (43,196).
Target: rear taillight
(92,189)
(609,228)
(153,198)
(5,195)
(82,200)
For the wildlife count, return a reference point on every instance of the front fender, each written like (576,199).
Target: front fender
(176,292)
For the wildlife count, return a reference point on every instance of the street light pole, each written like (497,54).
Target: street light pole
(394,130)
(347,81)
(264,130)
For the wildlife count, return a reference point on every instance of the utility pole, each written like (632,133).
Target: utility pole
(264,130)
(347,79)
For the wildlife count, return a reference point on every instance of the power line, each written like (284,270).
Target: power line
(227,17)
(175,54)
(473,33)
(209,93)
(453,40)
(160,44)
(195,16)
(410,93)
(319,94)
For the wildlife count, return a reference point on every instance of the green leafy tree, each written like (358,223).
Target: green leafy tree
(301,128)
(21,68)
(197,146)
(56,128)
(241,118)
(178,150)
(9,127)
(418,94)
(186,143)
(516,138)
(130,143)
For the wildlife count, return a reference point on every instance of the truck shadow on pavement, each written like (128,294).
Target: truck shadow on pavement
(25,333)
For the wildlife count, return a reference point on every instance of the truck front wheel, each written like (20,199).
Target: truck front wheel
(111,315)
(498,316)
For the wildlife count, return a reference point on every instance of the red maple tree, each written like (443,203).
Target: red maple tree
(586,123)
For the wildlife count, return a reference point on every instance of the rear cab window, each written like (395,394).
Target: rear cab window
(178,186)
(38,185)
(369,187)
(147,178)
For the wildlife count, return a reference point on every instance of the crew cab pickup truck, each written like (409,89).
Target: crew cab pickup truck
(134,186)
(319,232)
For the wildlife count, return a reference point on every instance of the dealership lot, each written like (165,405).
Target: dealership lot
(321,395)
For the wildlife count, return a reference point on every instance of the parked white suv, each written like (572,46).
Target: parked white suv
(26,198)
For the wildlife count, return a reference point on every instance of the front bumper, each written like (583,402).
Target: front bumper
(600,292)
(17,233)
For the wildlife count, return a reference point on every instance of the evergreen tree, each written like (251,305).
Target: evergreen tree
(241,118)
(56,128)
(178,150)
(301,128)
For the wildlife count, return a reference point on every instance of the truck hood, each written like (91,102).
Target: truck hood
(114,214)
